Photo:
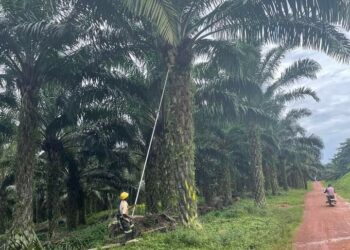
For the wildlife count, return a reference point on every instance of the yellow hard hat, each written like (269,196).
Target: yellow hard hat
(123,196)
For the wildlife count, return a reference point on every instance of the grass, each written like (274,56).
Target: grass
(342,186)
(85,237)
(241,226)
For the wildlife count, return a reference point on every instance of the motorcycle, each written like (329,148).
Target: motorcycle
(331,200)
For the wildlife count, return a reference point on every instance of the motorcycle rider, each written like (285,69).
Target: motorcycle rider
(330,192)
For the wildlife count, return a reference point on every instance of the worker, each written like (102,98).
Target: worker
(123,216)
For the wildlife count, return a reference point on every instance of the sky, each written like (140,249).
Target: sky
(331,116)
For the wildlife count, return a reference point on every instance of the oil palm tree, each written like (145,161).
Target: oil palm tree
(260,99)
(29,48)
(38,40)
(299,153)
(219,107)
(196,23)
(272,101)
(79,122)
(341,159)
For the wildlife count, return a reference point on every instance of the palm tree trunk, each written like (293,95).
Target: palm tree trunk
(167,183)
(206,185)
(179,134)
(53,194)
(284,175)
(305,179)
(256,167)
(267,175)
(152,180)
(4,206)
(152,189)
(22,226)
(3,212)
(73,196)
(26,148)
(274,180)
(81,207)
(53,149)
(226,185)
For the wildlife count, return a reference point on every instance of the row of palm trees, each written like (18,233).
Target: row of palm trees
(272,135)
(88,74)
(339,166)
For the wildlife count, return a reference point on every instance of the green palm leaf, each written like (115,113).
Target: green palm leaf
(296,114)
(296,94)
(305,68)
(161,12)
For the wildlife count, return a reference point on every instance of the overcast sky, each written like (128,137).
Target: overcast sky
(331,116)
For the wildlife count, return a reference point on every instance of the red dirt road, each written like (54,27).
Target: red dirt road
(323,227)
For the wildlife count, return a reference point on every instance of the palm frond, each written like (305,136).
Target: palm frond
(270,142)
(270,63)
(8,100)
(161,13)
(296,94)
(234,58)
(286,25)
(305,68)
(296,114)
(311,141)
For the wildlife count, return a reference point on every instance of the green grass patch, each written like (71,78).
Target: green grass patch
(242,226)
(83,238)
(342,186)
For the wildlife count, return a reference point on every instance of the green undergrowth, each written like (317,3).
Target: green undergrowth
(342,186)
(84,237)
(93,234)
(242,226)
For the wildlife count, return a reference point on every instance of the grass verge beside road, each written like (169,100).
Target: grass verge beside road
(342,186)
(241,226)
